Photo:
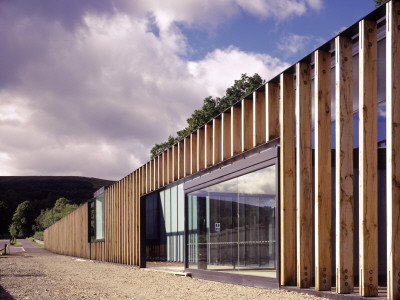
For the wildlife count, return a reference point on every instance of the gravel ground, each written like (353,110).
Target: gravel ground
(40,275)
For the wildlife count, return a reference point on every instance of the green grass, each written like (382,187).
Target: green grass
(33,240)
(15,243)
(40,245)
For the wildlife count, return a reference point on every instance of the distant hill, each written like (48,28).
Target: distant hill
(42,192)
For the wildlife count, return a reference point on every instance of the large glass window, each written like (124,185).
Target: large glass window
(99,217)
(165,225)
(231,225)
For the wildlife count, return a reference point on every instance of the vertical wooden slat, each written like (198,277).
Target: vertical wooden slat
(236,130)
(247,124)
(226,135)
(259,118)
(157,172)
(161,170)
(208,139)
(303,175)
(143,181)
(368,165)
(148,175)
(200,149)
(132,218)
(193,153)
(119,225)
(217,149)
(137,217)
(170,167)
(287,181)
(344,165)
(165,167)
(151,175)
(138,244)
(181,160)
(124,222)
(186,145)
(175,160)
(393,147)
(135,190)
(323,245)
(272,111)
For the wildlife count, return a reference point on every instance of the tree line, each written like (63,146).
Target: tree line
(24,223)
(211,108)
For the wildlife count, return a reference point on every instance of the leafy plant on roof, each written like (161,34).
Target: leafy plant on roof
(211,108)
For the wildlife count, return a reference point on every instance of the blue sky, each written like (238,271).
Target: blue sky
(88,87)
(264,35)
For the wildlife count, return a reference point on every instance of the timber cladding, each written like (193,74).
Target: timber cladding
(69,236)
(284,108)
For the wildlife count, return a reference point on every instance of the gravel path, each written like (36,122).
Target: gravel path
(38,274)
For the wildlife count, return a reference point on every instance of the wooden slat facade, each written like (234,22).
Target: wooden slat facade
(344,165)
(393,147)
(323,245)
(282,108)
(368,156)
(287,181)
(304,175)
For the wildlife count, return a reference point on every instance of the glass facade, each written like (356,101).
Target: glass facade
(231,225)
(165,225)
(99,218)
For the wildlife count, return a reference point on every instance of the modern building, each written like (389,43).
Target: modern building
(296,184)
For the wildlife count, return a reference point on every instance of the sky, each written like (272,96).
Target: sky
(87,87)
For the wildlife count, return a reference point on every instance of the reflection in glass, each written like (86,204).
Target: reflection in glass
(165,225)
(231,225)
(99,208)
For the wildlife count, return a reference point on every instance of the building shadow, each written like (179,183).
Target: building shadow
(5,295)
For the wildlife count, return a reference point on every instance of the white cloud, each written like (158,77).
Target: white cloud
(293,43)
(279,9)
(211,13)
(219,69)
(91,96)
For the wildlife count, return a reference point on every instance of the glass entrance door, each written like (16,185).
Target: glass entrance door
(231,225)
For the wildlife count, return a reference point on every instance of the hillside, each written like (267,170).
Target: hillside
(42,192)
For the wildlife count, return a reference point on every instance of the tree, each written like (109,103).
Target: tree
(48,217)
(379,2)
(211,108)
(22,220)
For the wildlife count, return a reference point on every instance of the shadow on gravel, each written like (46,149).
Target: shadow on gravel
(15,255)
(24,275)
(5,295)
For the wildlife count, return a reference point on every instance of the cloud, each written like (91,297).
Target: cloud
(89,88)
(224,66)
(293,44)
(279,9)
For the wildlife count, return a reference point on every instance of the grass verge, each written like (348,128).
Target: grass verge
(33,240)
